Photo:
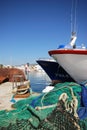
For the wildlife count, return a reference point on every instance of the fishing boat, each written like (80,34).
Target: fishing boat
(54,70)
(73,60)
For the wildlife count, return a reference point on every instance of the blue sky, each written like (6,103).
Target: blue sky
(30,28)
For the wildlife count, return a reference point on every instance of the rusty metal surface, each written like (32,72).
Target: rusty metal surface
(6,74)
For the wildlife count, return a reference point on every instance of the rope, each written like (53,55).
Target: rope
(44,107)
(53,90)
(71,106)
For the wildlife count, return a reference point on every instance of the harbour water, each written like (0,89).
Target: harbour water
(38,80)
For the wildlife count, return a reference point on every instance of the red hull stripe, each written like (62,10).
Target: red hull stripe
(82,52)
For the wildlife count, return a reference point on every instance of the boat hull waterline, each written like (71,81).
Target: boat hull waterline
(74,61)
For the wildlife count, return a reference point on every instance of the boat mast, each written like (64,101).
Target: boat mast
(73,23)
(73,16)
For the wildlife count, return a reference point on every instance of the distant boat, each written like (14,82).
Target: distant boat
(73,60)
(54,70)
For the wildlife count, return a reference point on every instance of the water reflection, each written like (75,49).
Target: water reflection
(38,80)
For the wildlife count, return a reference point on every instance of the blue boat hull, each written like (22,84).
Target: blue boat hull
(55,71)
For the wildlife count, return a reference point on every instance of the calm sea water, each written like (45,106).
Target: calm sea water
(38,80)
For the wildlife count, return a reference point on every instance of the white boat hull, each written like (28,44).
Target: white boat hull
(74,63)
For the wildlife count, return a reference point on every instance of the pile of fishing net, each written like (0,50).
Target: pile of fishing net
(54,110)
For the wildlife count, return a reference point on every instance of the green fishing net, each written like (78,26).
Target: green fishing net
(25,116)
